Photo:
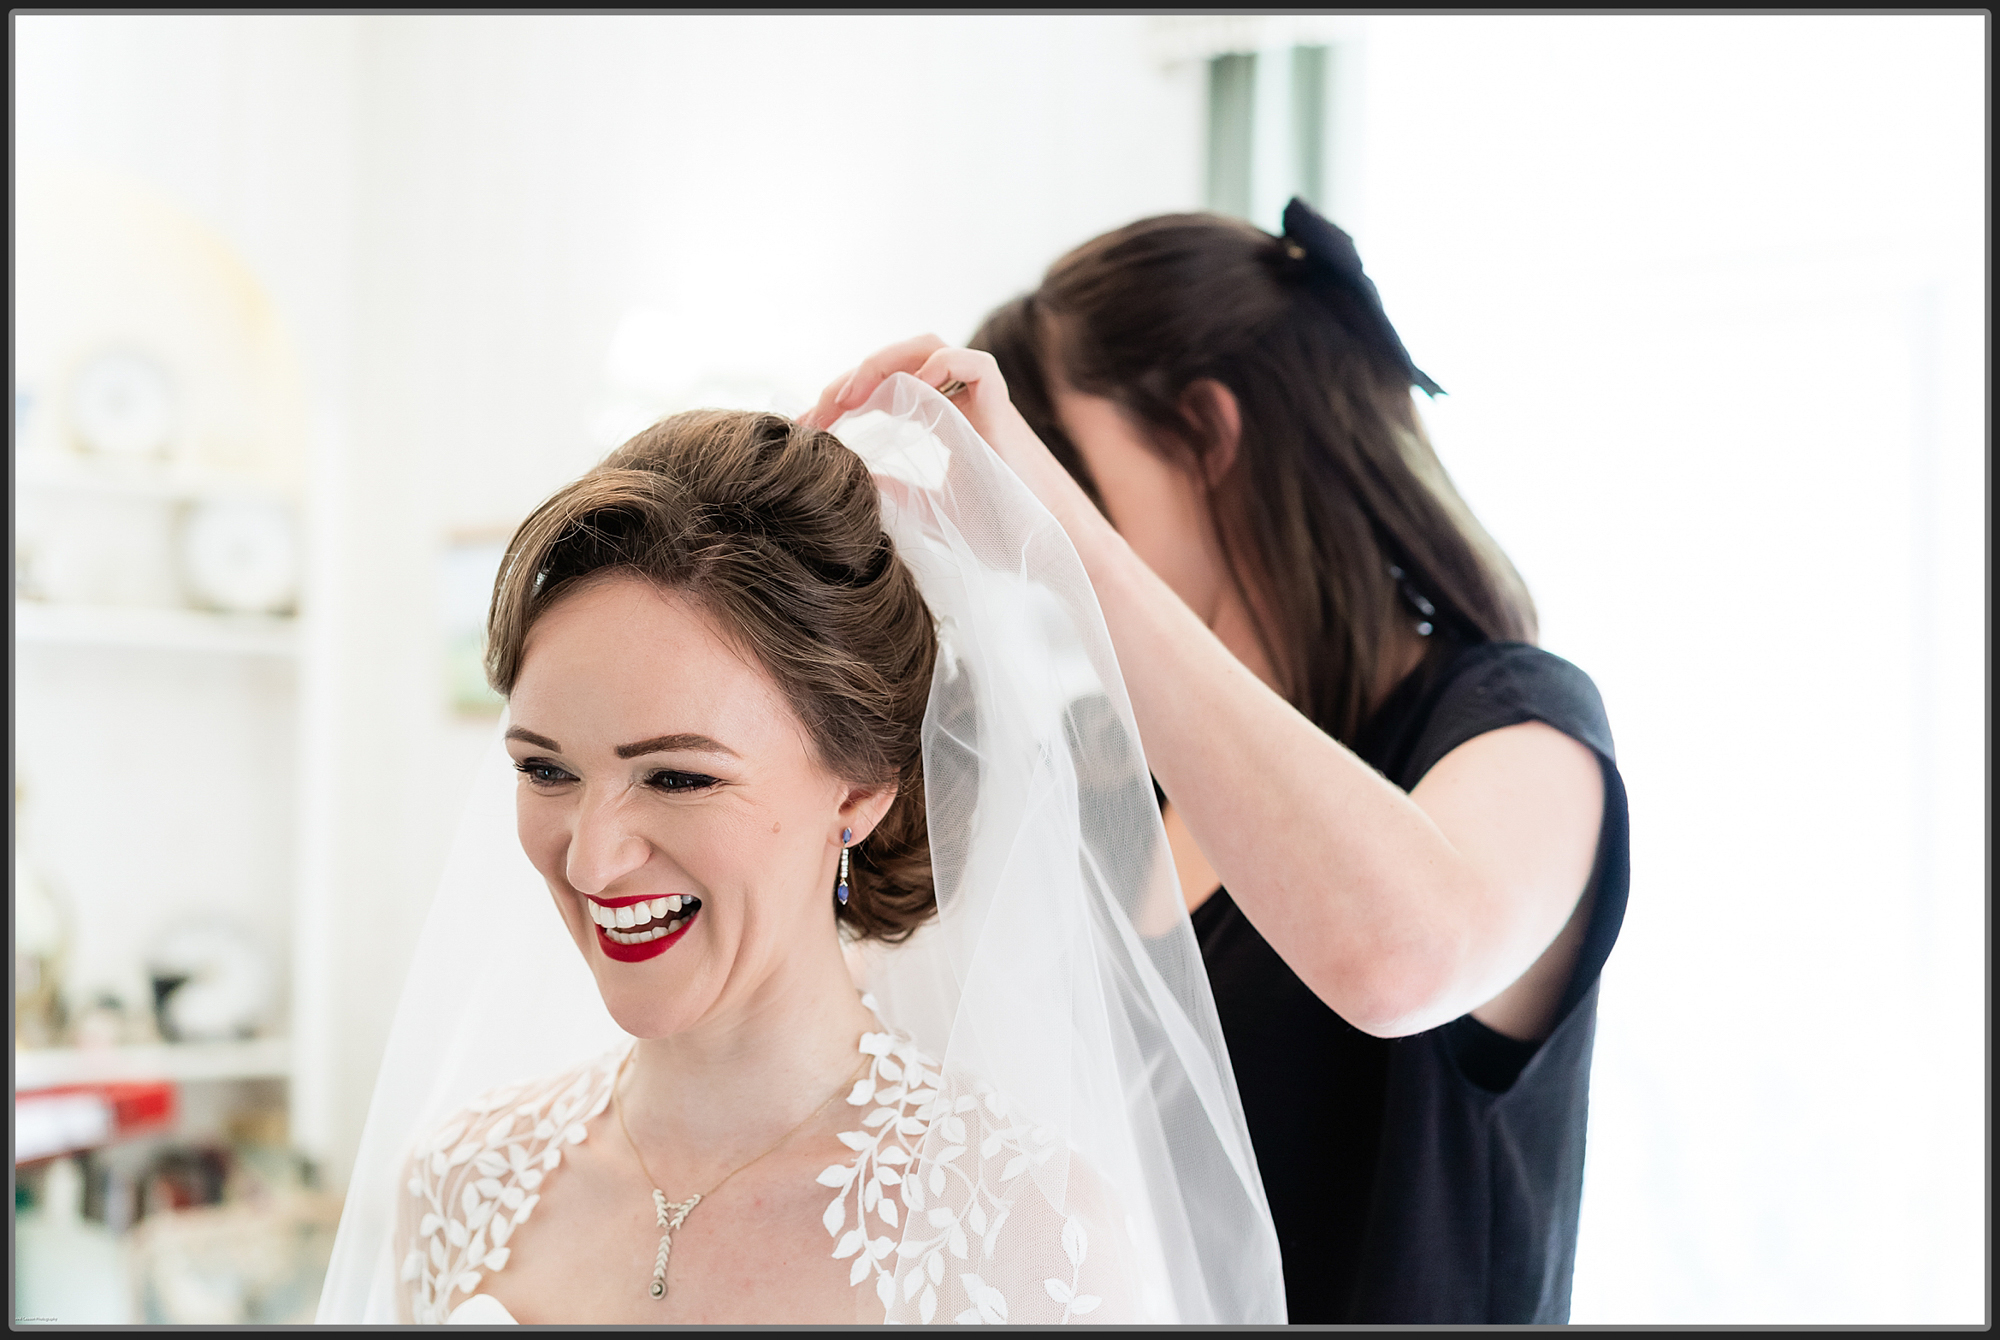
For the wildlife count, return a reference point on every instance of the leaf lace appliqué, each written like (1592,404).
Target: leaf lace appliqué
(479,1177)
(909,1215)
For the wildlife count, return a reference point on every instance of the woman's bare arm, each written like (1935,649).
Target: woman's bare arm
(1400,911)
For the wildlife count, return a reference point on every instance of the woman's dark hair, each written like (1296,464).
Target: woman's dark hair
(1334,484)
(775,530)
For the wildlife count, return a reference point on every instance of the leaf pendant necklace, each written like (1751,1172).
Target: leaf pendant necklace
(671,1214)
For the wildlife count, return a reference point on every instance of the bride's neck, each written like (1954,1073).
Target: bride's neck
(753,1070)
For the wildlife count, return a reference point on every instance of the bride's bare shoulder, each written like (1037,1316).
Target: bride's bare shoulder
(477,1176)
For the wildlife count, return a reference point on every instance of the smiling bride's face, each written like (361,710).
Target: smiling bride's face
(671,798)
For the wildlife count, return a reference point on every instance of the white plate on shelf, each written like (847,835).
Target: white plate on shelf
(122,403)
(240,555)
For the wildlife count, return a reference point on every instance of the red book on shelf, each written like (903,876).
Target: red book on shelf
(73,1117)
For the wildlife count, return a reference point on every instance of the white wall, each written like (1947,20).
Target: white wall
(1707,295)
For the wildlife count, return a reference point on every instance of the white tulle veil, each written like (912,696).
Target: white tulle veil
(1060,979)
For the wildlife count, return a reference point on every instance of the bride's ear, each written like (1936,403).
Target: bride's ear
(863,807)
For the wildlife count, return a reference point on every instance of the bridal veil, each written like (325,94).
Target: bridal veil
(1083,1154)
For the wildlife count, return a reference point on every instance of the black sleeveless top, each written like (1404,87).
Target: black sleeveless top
(1431,1178)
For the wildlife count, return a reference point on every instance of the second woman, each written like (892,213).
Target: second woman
(1397,823)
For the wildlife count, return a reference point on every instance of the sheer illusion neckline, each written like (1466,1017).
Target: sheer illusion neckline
(935,1174)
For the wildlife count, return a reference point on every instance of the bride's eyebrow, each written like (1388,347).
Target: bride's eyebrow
(676,744)
(659,744)
(542,741)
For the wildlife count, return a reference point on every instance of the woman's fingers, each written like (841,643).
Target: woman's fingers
(972,376)
(852,390)
(973,369)
(904,356)
(984,402)
(823,413)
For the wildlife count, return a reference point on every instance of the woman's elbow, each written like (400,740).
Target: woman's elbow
(1392,994)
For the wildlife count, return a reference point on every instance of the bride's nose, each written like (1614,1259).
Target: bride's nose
(603,847)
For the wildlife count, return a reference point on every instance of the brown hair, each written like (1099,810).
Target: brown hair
(1334,483)
(776,531)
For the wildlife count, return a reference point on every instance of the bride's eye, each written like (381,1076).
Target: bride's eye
(541,772)
(681,781)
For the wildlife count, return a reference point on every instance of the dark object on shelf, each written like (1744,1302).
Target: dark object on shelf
(183,1178)
(212,981)
(164,986)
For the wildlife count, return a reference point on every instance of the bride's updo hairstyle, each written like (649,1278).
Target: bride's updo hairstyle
(775,531)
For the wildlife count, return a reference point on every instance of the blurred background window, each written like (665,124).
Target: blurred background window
(311,310)
(1232,130)
(1267,131)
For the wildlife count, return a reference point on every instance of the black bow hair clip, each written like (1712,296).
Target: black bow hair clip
(1311,237)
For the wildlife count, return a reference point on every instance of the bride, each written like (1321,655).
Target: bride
(868,996)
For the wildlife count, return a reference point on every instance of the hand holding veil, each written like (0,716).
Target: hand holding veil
(1063,1137)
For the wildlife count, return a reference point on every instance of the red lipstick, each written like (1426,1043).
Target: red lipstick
(652,921)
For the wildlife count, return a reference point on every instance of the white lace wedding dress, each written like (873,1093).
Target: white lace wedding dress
(479,1177)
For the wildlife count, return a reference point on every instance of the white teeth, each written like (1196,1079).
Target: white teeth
(636,937)
(619,923)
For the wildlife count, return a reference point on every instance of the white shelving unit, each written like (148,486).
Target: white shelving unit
(257,1058)
(116,631)
(139,629)
(66,471)
(162,749)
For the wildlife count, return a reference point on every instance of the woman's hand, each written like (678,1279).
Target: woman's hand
(985,405)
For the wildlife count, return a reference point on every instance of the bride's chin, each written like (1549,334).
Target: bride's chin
(653,996)
(656,1014)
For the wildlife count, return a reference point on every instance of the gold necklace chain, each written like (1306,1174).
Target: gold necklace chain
(672,1214)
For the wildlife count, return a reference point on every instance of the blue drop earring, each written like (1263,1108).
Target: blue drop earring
(840,891)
